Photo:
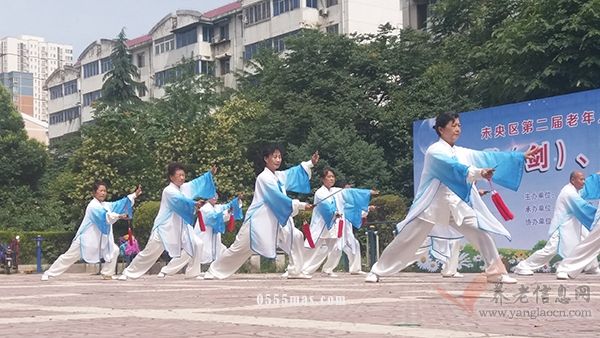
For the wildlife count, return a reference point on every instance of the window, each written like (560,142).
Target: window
(311,3)
(277,44)
(282,6)
(258,12)
(333,29)
(330,3)
(89,98)
(140,60)
(64,115)
(163,77)
(106,64)
(91,69)
(56,92)
(224,65)
(142,92)
(207,34)
(186,37)
(206,67)
(70,87)
(223,32)
(164,44)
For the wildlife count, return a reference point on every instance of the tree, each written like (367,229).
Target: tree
(22,161)
(120,83)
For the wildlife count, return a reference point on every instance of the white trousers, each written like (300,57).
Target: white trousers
(584,255)
(401,250)
(449,268)
(193,263)
(233,258)
(544,255)
(144,260)
(328,248)
(73,255)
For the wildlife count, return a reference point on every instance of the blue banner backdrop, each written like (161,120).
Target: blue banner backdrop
(565,126)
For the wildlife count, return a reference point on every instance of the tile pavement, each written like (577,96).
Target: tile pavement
(264,305)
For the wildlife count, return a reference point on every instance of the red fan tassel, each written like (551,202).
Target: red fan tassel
(130,236)
(501,206)
(340,227)
(231,224)
(201,222)
(307,234)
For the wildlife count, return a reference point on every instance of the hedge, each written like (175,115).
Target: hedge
(54,244)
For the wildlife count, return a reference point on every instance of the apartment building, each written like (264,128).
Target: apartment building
(31,54)
(220,42)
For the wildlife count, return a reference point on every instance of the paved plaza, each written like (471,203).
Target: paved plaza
(264,305)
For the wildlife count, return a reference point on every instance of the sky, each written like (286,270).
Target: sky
(80,22)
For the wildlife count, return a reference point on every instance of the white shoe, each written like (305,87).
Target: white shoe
(285,275)
(503,279)
(207,276)
(371,278)
(122,278)
(360,272)
(562,275)
(45,278)
(331,274)
(524,272)
(161,275)
(300,275)
(455,275)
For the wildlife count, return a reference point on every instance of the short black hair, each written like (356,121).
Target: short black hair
(97,184)
(173,167)
(443,119)
(269,149)
(326,170)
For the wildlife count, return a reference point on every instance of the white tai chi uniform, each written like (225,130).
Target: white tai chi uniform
(269,223)
(572,214)
(330,239)
(448,204)
(586,252)
(209,241)
(94,239)
(172,229)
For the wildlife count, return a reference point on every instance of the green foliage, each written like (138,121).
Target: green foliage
(390,210)
(143,220)
(22,161)
(54,244)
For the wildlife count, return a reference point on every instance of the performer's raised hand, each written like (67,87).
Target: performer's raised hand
(483,192)
(374,192)
(214,169)
(309,206)
(315,158)
(138,191)
(200,203)
(530,153)
(487,173)
(372,207)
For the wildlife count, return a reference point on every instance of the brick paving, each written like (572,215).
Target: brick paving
(264,305)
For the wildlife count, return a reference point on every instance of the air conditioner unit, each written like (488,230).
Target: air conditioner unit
(323,11)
